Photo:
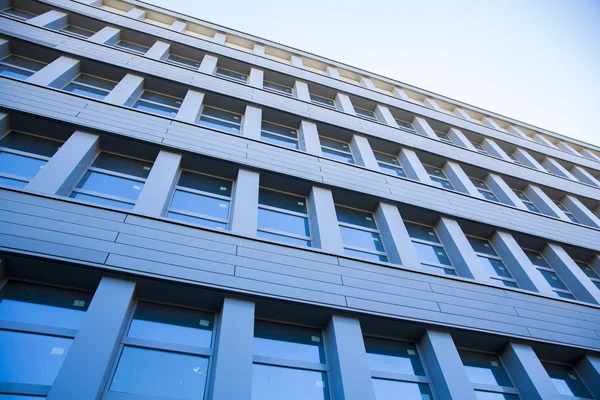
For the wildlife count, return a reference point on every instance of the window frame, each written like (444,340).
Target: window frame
(17,17)
(86,85)
(443,137)
(552,270)
(498,258)
(384,253)
(262,130)
(398,166)
(433,244)
(201,114)
(284,211)
(331,149)
(231,78)
(528,201)
(139,99)
(281,92)
(323,104)
(401,123)
(546,361)
(130,50)
(435,178)
(482,190)
(595,280)
(74,34)
(482,387)
(182,65)
(365,114)
(3,62)
(567,212)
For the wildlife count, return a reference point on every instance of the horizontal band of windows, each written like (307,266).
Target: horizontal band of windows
(161,345)
(399,377)
(284,362)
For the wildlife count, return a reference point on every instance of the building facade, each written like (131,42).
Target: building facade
(192,212)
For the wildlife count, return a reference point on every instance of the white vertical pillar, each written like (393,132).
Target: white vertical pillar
(554,166)
(413,167)
(573,276)
(52,19)
(583,176)
(157,188)
(589,370)
(107,35)
(136,13)
(395,236)
(543,140)
(252,123)
(56,74)
(333,72)
(460,139)
(259,50)
(581,212)
(351,375)
(567,147)
(256,77)
(297,62)
(460,180)
(300,91)
(459,112)
(492,147)
(490,123)
(324,220)
(364,153)
(431,103)
(368,83)
(446,369)
(544,203)
(190,107)
(519,264)
(219,38)
(309,138)
(208,64)
(59,174)
(384,115)
(503,192)
(526,159)
(590,154)
(517,132)
(94,3)
(400,93)
(159,50)
(179,26)
(459,250)
(342,102)
(244,217)
(130,87)
(423,128)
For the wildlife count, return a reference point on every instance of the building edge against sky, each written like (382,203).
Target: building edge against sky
(189,212)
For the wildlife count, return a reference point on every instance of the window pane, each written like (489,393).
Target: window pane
(435,171)
(43,305)
(282,200)
(337,156)
(20,165)
(442,183)
(138,48)
(287,341)
(12,182)
(396,390)
(23,62)
(565,295)
(160,373)
(505,283)
(392,170)
(283,239)
(495,396)
(422,232)
(20,14)
(355,217)
(221,114)
(19,397)
(322,100)
(155,109)
(393,356)
(172,324)
(566,380)
(334,144)
(280,141)
(404,124)
(77,31)
(366,256)
(218,125)
(185,61)
(95,81)
(86,91)
(553,279)
(587,269)
(481,246)
(532,207)
(231,74)
(278,383)
(123,165)
(438,270)
(361,239)
(521,195)
(386,158)
(484,368)
(432,254)
(205,183)
(489,195)
(281,130)
(12,72)
(200,204)
(196,220)
(161,98)
(276,87)
(268,219)
(30,144)
(29,358)
(536,258)
(364,113)
(111,185)
(101,200)
(495,267)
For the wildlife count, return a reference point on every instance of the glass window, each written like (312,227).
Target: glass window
(201,199)
(443,137)
(23,155)
(183,61)
(548,273)
(19,67)
(282,356)
(360,235)
(491,262)
(528,203)
(158,103)
(568,213)
(278,88)
(405,125)
(514,158)
(480,148)
(438,177)
(389,164)
(487,370)
(232,75)
(361,112)
(77,31)
(431,252)
(222,120)
(17,13)
(283,217)
(133,47)
(336,150)
(112,177)
(566,380)
(485,191)
(279,135)
(90,86)
(590,272)
(322,101)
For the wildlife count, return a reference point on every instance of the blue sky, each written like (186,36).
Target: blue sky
(537,61)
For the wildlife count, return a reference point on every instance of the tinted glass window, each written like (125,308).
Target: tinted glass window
(20,165)
(288,342)
(390,390)
(282,200)
(432,254)
(355,217)
(361,239)
(393,356)
(30,144)
(484,368)
(205,183)
(495,267)
(123,165)
(338,156)
(422,232)
(481,246)
(566,380)
(111,185)
(366,256)
(23,62)
(270,382)
(200,204)
(334,144)
(101,200)
(283,222)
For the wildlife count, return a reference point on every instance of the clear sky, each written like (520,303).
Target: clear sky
(536,61)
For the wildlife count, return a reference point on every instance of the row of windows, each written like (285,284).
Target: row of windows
(167,351)
(279,87)
(204,200)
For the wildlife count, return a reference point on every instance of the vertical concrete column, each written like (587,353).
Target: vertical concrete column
(350,371)
(324,220)
(128,89)
(543,140)
(490,123)
(342,102)
(399,92)
(413,167)
(528,373)
(52,19)
(459,250)
(423,128)
(460,180)
(517,132)
(56,74)
(460,113)
(244,217)
(590,154)
(589,370)
(460,139)
(333,72)
(190,107)
(581,212)
(234,351)
(297,62)
(573,276)
(583,176)
(527,159)
(384,115)
(368,83)
(159,50)
(431,103)
(395,236)
(544,203)
(300,91)
(492,147)
(136,13)
(259,50)
(252,122)
(162,178)
(309,138)
(59,174)
(445,367)
(519,264)
(256,77)
(503,192)
(208,64)
(219,38)
(555,167)
(364,153)
(178,26)
(84,371)
(107,35)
